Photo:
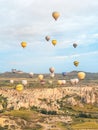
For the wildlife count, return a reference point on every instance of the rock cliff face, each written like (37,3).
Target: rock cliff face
(47,97)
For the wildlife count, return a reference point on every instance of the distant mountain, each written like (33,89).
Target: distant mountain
(69,75)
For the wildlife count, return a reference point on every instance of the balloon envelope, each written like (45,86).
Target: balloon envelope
(47,38)
(23,44)
(42,82)
(76,63)
(31,74)
(81,75)
(50,82)
(64,73)
(59,82)
(24,82)
(54,42)
(55,15)
(19,87)
(52,75)
(40,77)
(11,81)
(74,45)
(51,69)
(63,82)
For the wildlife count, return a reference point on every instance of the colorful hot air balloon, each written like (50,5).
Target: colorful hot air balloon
(76,63)
(47,38)
(40,77)
(55,15)
(54,42)
(74,45)
(81,75)
(23,44)
(51,69)
(19,87)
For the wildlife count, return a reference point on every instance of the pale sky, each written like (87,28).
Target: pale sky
(32,21)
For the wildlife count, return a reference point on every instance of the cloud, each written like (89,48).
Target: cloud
(31,21)
(75,55)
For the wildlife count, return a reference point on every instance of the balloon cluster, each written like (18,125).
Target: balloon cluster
(55,15)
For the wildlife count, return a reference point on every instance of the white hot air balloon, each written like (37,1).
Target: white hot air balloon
(74,81)
(31,74)
(11,81)
(52,75)
(63,82)
(24,82)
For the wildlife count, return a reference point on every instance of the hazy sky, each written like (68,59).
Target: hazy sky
(31,21)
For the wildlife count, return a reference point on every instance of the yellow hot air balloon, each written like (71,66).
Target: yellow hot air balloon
(54,42)
(23,44)
(81,75)
(55,15)
(76,63)
(59,82)
(19,87)
(40,77)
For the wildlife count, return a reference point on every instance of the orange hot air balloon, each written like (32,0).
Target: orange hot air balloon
(54,42)
(40,77)
(23,44)
(47,38)
(81,75)
(76,63)
(55,15)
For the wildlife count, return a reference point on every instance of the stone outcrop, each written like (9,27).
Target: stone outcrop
(47,97)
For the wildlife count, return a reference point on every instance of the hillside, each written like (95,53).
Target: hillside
(73,74)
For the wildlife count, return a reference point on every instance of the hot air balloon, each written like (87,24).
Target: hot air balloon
(40,77)
(11,81)
(19,87)
(64,73)
(50,82)
(54,42)
(52,75)
(74,81)
(31,75)
(47,38)
(59,82)
(51,69)
(74,45)
(55,15)
(23,44)
(42,82)
(81,75)
(76,63)
(63,82)
(24,82)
